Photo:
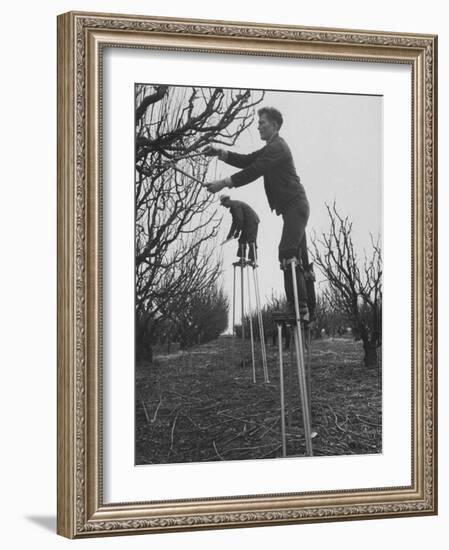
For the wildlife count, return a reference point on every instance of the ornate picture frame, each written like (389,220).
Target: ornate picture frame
(82,40)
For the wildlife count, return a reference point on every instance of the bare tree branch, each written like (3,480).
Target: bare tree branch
(175,220)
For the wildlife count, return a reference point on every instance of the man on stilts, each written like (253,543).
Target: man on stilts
(285,193)
(245,223)
(287,197)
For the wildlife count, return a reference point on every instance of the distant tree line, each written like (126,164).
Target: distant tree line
(202,318)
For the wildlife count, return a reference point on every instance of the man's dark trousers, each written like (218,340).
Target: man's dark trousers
(295,220)
(248,236)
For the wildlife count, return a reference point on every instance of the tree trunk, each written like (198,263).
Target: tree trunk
(144,352)
(144,335)
(370,350)
(144,349)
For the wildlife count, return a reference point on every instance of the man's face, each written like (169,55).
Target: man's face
(267,128)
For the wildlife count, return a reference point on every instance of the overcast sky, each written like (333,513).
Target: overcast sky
(336,142)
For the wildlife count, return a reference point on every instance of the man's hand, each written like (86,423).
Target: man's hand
(211,151)
(218,185)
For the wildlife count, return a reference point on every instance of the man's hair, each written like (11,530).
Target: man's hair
(272,114)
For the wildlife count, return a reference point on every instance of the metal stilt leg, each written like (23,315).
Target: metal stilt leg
(259,316)
(261,331)
(307,339)
(301,367)
(251,326)
(281,386)
(290,328)
(242,282)
(233,303)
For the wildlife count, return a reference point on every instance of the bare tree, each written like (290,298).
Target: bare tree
(354,288)
(175,218)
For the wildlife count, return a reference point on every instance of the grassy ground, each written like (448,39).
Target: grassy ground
(202,405)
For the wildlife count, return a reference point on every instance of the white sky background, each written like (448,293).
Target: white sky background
(336,142)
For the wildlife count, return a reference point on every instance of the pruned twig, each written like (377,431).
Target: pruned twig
(173,430)
(144,407)
(270,452)
(153,420)
(369,422)
(216,451)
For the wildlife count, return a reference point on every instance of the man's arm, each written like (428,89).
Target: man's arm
(237,221)
(232,231)
(238,160)
(267,159)
(234,159)
(237,216)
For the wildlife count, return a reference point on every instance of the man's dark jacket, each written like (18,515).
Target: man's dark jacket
(244,218)
(275,163)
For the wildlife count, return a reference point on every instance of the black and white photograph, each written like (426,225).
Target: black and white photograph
(258,274)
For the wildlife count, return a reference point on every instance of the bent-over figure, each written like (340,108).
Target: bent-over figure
(245,223)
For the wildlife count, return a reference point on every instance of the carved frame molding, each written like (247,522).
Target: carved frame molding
(81,37)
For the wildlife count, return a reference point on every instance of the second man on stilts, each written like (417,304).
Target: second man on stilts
(245,223)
